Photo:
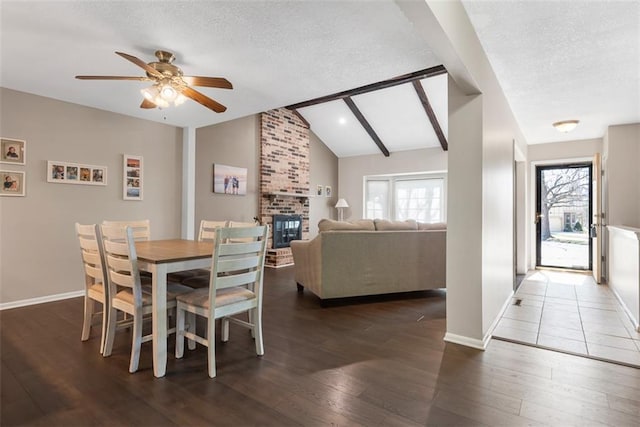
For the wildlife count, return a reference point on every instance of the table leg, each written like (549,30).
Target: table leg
(159,295)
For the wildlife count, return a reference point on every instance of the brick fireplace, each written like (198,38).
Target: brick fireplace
(284,175)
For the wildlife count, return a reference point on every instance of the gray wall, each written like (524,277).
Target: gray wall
(622,160)
(323,165)
(464,218)
(39,253)
(237,143)
(352,171)
(446,28)
(232,143)
(585,148)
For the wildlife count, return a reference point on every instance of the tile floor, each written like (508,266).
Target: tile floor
(569,312)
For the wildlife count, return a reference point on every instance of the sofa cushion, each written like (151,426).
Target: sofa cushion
(358,225)
(434,226)
(386,225)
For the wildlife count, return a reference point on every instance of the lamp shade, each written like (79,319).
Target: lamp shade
(342,203)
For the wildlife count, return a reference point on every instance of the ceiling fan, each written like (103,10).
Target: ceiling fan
(169,83)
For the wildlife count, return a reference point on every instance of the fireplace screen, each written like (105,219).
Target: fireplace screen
(285,229)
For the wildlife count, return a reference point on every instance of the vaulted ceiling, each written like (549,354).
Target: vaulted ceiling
(555,60)
(404,113)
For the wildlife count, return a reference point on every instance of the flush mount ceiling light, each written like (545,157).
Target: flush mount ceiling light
(566,125)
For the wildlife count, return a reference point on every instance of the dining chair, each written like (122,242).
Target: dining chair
(141,228)
(235,287)
(126,290)
(207,232)
(235,224)
(200,278)
(95,289)
(141,232)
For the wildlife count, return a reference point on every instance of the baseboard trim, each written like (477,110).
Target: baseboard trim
(635,322)
(40,300)
(476,343)
(494,324)
(466,341)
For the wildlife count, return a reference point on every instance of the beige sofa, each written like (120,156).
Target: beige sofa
(368,257)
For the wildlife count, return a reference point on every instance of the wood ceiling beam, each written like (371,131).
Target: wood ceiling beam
(424,100)
(406,78)
(365,124)
(302,119)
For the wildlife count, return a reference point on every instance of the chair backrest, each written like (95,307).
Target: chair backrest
(236,224)
(208,229)
(238,259)
(92,254)
(121,260)
(141,228)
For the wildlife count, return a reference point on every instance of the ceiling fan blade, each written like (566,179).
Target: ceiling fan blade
(141,79)
(218,82)
(149,69)
(147,104)
(203,99)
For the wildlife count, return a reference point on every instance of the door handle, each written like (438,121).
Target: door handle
(538,216)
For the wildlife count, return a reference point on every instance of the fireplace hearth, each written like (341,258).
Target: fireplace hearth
(285,229)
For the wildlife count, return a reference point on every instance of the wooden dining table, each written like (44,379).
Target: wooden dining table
(160,257)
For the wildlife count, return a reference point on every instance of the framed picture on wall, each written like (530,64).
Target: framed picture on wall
(13,151)
(132,177)
(76,173)
(327,191)
(229,180)
(319,191)
(13,183)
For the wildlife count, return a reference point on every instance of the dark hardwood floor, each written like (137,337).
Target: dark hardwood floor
(380,362)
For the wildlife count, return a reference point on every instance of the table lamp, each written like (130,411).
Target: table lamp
(342,203)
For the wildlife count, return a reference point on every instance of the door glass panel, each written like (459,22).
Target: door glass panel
(565,217)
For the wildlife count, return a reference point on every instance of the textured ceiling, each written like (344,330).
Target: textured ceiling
(555,60)
(275,53)
(561,60)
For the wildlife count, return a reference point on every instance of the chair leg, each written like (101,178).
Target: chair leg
(224,329)
(111,332)
(136,342)
(250,316)
(192,328)
(180,332)
(105,323)
(211,346)
(257,328)
(89,305)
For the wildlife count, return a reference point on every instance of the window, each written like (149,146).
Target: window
(399,197)
(377,199)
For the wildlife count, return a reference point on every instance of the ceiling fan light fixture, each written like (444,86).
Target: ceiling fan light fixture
(566,125)
(150,93)
(169,85)
(160,102)
(168,93)
(179,100)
